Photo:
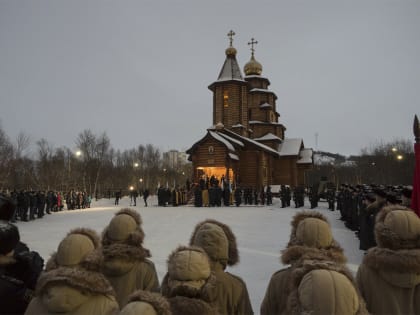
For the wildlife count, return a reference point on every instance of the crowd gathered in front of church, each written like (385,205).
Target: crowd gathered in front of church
(113,273)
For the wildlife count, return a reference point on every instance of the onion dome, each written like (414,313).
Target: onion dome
(253,67)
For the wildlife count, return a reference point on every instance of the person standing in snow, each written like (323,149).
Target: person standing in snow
(389,275)
(72,282)
(126,264)
(317,281)
(19,271)
(189,282)
(219,242)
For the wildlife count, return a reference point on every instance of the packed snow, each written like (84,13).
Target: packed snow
(261,232)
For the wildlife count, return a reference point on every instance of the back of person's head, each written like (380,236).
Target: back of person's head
(324,292)
(146,303)
(124,227)
(9,237)
(311,237)
(218,240)
(397,227)
(7,208)
(77,248)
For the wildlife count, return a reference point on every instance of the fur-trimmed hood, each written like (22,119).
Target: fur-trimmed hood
(311,238)
(189,274)
(159,303)
(125,228)
(317,287)
(233,253)
(181,305)
(79,247)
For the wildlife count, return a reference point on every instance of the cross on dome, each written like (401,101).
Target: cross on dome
(230,35)
(252,43)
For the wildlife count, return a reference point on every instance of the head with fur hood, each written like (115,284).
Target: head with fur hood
(146,303)
(218,241)
(311,238)
(189,283)
(124,236)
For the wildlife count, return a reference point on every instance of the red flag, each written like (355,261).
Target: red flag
(415,195)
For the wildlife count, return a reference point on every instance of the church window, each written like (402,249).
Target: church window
(226,99)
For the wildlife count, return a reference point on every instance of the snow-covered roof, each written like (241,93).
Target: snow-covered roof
(231,139)
(268,136)
(290,147)
(238,126)
(255,122)
(230,70)
(262,146)
(266,105)
(254,76)
(233,156)
(219,138)
(305,156)
(263,90)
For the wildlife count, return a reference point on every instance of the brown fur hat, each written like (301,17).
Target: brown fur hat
(124,228)
(233,254)
(311,238)
(79,247)
(397,227)
(181,305)
(159,303)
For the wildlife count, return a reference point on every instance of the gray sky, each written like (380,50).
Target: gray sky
(348,71)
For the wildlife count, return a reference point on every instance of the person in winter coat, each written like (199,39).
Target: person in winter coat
(317,280)
(219,242)
(189,283)
(126,264)
(389,275)
(72,282)
(19,271)
(146,303)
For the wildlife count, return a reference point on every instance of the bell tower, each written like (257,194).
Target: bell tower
(230,98)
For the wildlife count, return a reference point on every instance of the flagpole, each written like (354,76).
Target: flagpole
(415,198)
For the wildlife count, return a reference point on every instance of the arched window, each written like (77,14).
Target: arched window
(226,99)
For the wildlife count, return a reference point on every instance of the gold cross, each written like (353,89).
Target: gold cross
(230,35)
(252,43)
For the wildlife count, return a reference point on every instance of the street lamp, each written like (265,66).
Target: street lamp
(78,153)
(394,149)
(399,157)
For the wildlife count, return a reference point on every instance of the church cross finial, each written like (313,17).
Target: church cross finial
(252,43)
(230,35)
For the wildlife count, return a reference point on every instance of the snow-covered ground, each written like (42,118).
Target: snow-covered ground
(261,232)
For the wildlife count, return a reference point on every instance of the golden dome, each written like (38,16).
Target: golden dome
(253,67)
(230,51)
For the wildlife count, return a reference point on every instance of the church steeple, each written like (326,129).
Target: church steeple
(230,69)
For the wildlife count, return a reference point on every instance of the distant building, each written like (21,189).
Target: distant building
(247,143)
(174,159)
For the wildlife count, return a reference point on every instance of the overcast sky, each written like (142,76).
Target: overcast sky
(346,73)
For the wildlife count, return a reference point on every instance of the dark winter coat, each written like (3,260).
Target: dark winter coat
(18,277)
(389,276)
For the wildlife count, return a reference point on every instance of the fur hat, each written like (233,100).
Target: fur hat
(78,248)
(218,241)
(125,228)
(9,237)
(311,237)
(323,288)
(7,208)
(189,274)
(397,227)
(146,303)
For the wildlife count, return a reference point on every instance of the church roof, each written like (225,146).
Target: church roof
(252,141)
(230,70)
(266,105)
(219,138)
(268,136)
(263,91)
(306,156)
(290,147)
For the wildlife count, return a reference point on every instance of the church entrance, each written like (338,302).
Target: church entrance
(217,172)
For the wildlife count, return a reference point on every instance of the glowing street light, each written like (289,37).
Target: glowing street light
(399,157)
(394,149)
(131,188)
(78,153)
(141,180)
(136,164)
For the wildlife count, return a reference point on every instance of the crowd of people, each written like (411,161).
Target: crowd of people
(113,273)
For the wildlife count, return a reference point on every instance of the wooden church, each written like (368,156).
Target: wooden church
(246,144)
